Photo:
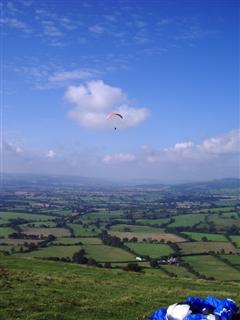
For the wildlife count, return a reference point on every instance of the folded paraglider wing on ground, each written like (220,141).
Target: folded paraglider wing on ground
(210,308)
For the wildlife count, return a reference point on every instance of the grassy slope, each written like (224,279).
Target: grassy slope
(71,292)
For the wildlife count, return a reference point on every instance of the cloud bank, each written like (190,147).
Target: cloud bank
(214,157)
(93,101)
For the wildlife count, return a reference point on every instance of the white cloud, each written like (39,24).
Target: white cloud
(16,24)
(51,154)
(78,74)
(96,29)
(227,143)
(119,158)
(94,100)
(12,148)
(210,148)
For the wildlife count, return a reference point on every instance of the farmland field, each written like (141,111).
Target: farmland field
(187,220)
(234,259)
(204,247)
(236,239)
(5,231)
(80,231)
(134,228)
(28,216)
(179,271)
(212,267)
(209,236)
(149,235)
(107,253)
(57,232)
(54,251)
(153,250)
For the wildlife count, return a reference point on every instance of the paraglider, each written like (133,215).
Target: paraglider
(113,115)
(210,308)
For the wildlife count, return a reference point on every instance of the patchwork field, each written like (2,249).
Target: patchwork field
(197,236)
(179,271)
(5,231)
(234,259)
(149,235)
(133,228)
(53,251)
(204,247)
(153,221)
(28,216)
(187,220)
(213,267)
(18,242)
(80,231)
(57,232)
(236,239)
(102,253)
(150,249)
(223,223)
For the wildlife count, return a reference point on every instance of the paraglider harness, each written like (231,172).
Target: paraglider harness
(199,309)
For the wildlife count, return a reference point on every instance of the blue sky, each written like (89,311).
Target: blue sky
(170,67)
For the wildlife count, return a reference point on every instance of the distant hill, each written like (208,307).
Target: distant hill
(227,183)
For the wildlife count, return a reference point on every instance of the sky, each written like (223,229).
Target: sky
(170,68)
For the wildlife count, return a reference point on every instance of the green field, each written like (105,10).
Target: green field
(59,291)
(236,239)
(28,216)
(57,232)
(153,250)
(213,267)
(53,251)
(205,247)
(134,228)
(234,259)
(223,223)
(149,236)
(179,271)
(5,231)
(187,220)
(80,231)
(107,254)
(153,221)
(197,236)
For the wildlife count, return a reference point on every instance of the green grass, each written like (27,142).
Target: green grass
(53,251)
(38,224)
(234,259)
(223,223)
(153,221)
(57,232)
(134,228)
(205,247)
(80,231)
(27,216)
(179,271)
(43,290)
(107,253)
(160,235)
(153,250)
(5,231)
(89,240)
(213,267)
(236,239)
(210,236)
(187,220)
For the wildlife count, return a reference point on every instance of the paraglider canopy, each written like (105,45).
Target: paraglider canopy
(114,116)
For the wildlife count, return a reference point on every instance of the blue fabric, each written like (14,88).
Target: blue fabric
(224,309)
